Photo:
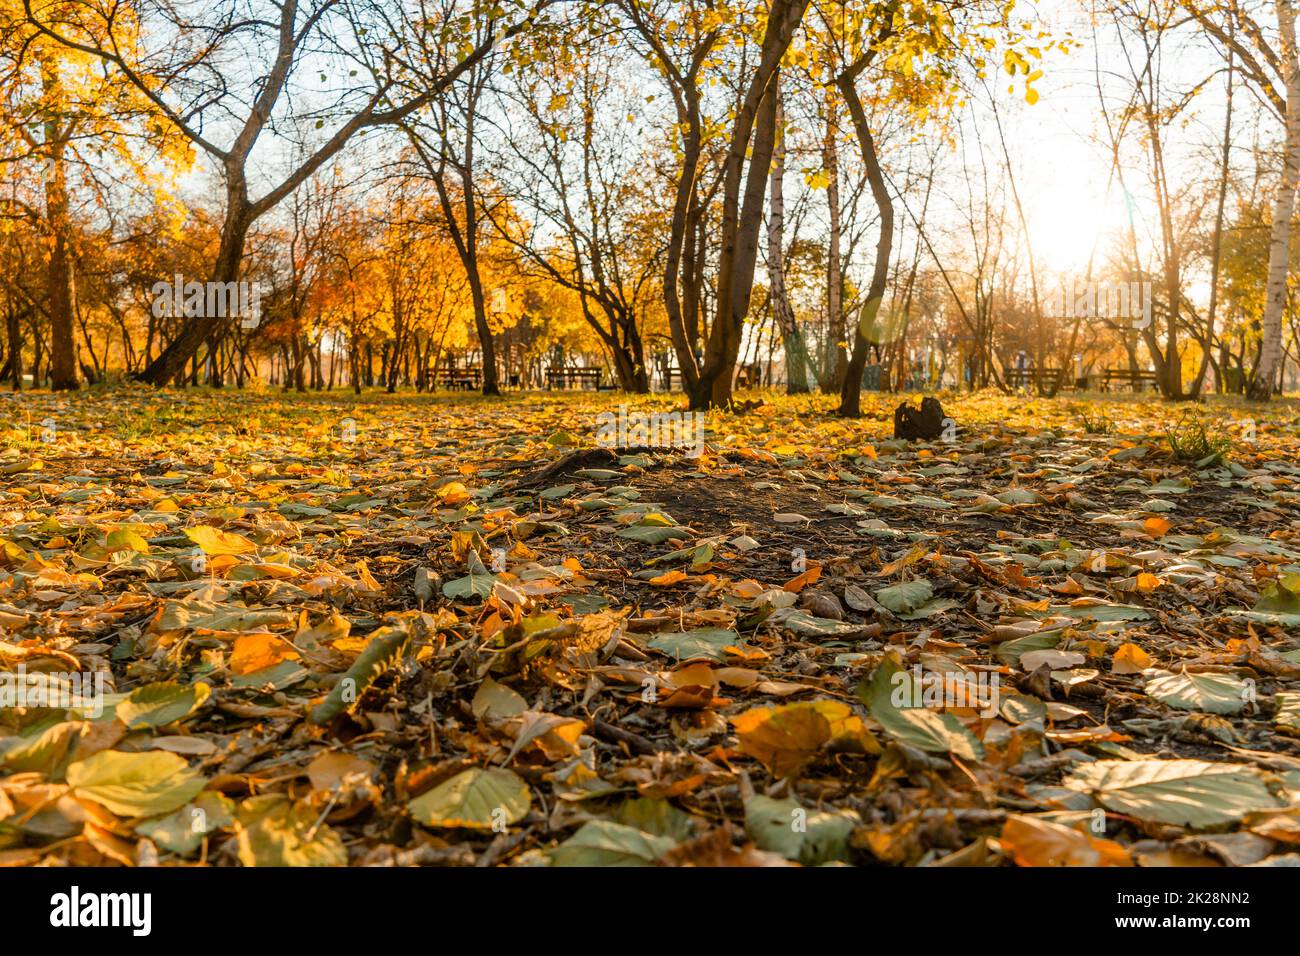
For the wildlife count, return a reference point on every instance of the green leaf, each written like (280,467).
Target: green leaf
(654,534)
(276,832)
(182,832)
(906,597)
(135,785)
(273,678)
(603,843)
(1021,708)
(475,799)
(1104,612)
(1266,617)
(1281,597)
(187,615)
(1010,652)
(41,751)
(156,705)
(890,697)
(1287,715)
(705,642)
(1190,793)
(471,585)
(809,625)
(386,647)
(785,827)
(1208,693)
(656,816)
(929,608)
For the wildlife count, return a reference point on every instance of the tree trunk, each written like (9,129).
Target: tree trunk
(1216,241)
(754,133)
(170,362)
(851,389)
(491,385)
(61,290)
(796,367)
(835,365)
(1270,355)
(13,321)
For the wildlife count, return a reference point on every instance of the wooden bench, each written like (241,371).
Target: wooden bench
(1024,377)
(674,381)
(1136,379)
(560,377)
(467,379)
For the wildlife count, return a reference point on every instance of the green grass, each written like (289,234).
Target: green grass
(1192,440)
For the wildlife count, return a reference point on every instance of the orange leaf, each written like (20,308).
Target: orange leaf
(1147,582)
(893,567)
(669,579)
(1156,526)
(797,584)
(698,674)
(1033,841)
(253,652)
(747,588)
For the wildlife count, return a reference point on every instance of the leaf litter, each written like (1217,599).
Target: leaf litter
(420,631)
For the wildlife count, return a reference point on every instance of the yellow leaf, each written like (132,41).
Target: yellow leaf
(124,539)
(786,738)
(1130,659)
(454,493)
(215,541)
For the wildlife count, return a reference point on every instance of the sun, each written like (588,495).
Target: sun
(1069,224)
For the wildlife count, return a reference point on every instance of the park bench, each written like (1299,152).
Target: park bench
(1136,379)
(1024,377)
(467,379)
(560,377)
(673,380)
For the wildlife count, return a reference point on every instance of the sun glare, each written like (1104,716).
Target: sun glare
(1068,225)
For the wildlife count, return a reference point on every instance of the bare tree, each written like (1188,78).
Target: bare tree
(187,80)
